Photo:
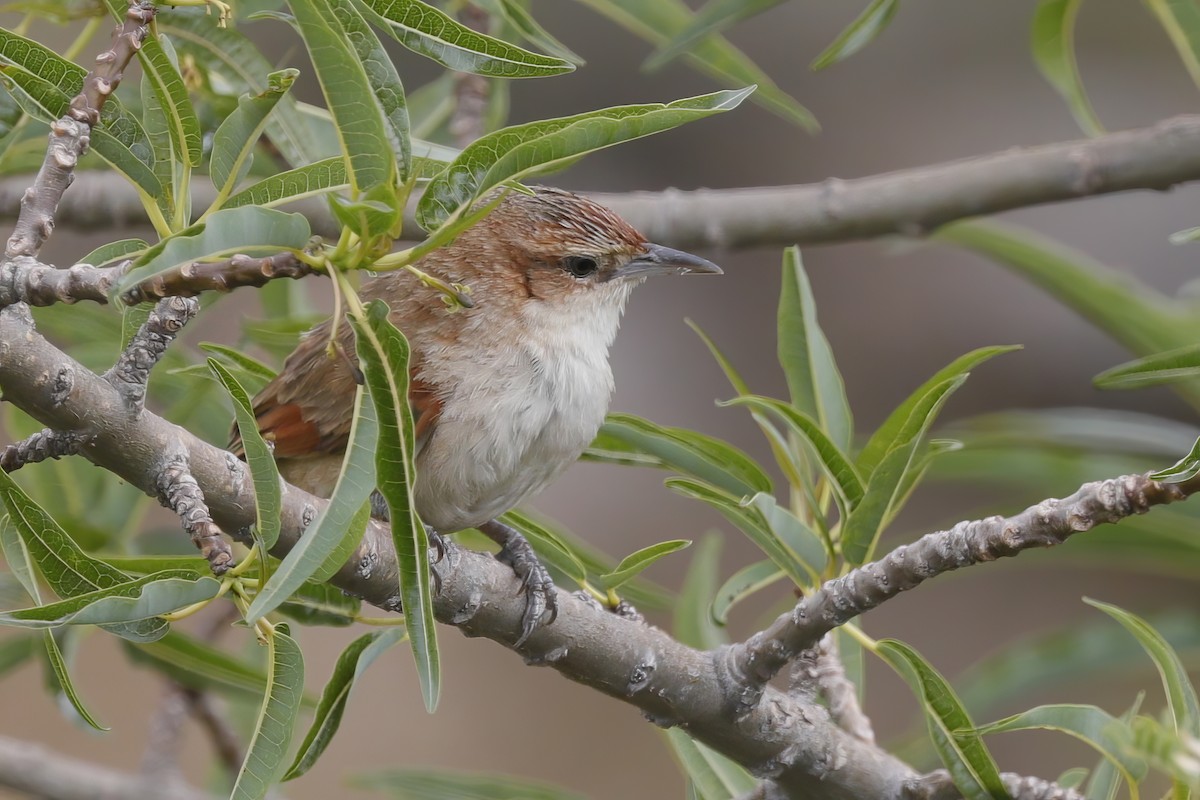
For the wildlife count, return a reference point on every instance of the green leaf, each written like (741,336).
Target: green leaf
(958,744)
(162,74)
(267,752)
(165,162)
(833,461)
(812,375)
(358,118)
(199,665)
(512,153)
(519,19)
(634,563)
(427,784)
(1170,367)
(1181,695)
(714,776)
(797,536)
(1181,20)
(336,531)
(1053,43)
(65,566)
(322,177)
(658,22)
(740,585)
(1091,725)
(383,351)
(350,666)
(268,495)
(549,545)
(858,34)
(62,675)
(1175,754)
(1186,468)
(140,599)
(108,254)
(15,651)
(238,135)
(426,30)
(800,559)
(715,17)
(248,230)
(237,360)
(886,488)
(1072,778)
(322,604)
(693,623)
(625,438)
(1105,779)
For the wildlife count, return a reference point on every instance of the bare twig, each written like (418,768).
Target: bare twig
(40,446)
(221,276)
(908,202)
(24,279)
(69,135)
(131,373)
(838,601)
(820,669)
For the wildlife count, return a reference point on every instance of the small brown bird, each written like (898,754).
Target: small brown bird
(505,395)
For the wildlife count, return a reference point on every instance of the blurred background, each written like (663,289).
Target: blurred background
(946,80)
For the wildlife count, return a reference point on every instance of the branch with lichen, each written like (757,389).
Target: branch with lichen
(818,672)
(40,446)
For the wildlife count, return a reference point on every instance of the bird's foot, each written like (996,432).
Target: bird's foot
(541,597)
(438,547)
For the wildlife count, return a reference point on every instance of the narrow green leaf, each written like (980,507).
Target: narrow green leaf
(887,485)
(518,17)
(657,22)
(235,359)
(425,30)
(296,184)
(715,17)
(158,69)
(1181,20)
(812,375)
(549,545)
(688,452)
(693,623)
(714,776)
(833,461)
(858,34)
(107,254)
(65,566)
(1170,367)
(1093,726)
(1072,778)
(1174,753)
(16,557)
(798,537)
(383,351)
(1184,236)
(350,666)
(634,563)
(248,230)
(370,159)
(135,600)
(884,438)
(199,665)
(62,675)
(958,744)
(266,756)
(740,585)
(1181,695)
(322,604)
(165,163)
(238,134)
(321,550)
(427,784)
(1105,779)
(264,474)
(1053,43)
(512,153)
(15,651)
(1185,469)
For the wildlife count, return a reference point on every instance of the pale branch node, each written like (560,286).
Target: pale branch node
(908,202)
(1049,523)
(132,371)
(221,276)
(24,279)
(42,773)
(794,744)
(938,786)
(179,491)
(819,669)
(70,134)
(40,446)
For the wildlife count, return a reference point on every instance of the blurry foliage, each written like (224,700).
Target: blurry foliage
(210,103)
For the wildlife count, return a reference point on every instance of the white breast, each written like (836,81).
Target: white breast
(521,413)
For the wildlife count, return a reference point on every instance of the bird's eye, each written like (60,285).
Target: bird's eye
(580,266)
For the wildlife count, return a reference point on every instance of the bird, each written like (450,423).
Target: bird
(505,394)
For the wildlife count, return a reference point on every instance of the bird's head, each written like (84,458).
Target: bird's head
(554,244)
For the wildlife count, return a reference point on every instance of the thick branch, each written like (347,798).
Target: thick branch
(938,786)
(220,276)
(24,279)
(909,202)
(1047,524)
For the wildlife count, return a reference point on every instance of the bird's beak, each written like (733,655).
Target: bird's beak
(659,260)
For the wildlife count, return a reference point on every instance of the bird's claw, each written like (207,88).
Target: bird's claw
(541,597)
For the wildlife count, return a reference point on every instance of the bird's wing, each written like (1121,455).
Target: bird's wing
(308,408)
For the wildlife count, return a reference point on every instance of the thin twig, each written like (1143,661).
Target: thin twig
(131,373)
(40,446)
(220,276)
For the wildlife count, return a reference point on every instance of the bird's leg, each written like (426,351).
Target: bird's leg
(540,594)
(380,510)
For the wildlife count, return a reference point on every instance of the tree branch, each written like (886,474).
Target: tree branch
(819,670)
(910,202)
